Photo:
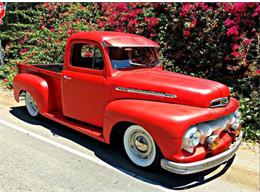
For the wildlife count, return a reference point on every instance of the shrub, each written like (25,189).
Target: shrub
(218,41)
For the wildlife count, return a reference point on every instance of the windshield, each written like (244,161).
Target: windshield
(129,57)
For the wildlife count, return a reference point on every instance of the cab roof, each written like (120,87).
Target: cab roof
(114,39)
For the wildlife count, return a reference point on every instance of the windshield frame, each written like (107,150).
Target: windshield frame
(133,65)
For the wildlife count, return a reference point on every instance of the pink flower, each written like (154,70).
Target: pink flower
(243,54)
(193,23)
(132,14)
(232,31)
(227,59)
(122,6)
(229,22)
(123,18)
(151,22)
(133,22)
(133,5)
(235,54)
(185,9)
(235,47)
(138,11)
(101,24)
(242,36)
(52,29)
(257,72)
(237,19)
(152,34)
(43,26)
(248,41)
(228,7)
(23,50)
(257,11)
(239,7)
(186,33)
(204,7)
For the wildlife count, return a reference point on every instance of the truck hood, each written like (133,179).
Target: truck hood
(165,86)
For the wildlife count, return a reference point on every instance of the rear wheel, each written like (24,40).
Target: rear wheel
(31,105)
(140,147)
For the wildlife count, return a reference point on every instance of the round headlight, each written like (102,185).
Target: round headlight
(196,138)
(191,139)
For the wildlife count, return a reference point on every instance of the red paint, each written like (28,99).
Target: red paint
(90,98)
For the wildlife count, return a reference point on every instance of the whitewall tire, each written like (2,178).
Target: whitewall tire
(140,147)
(31,105)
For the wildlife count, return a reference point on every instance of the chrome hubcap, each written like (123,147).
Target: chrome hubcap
(140,145)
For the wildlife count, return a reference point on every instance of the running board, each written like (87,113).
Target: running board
(78,126)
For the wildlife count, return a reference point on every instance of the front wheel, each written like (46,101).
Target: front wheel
(140,147)
(31,105)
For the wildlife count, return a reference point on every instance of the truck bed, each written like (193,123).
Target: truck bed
(49,70)
(51,73)
(51,67)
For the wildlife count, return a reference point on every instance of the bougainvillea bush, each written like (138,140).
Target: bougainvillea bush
(218,41)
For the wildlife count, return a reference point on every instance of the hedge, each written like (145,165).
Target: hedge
(218,41)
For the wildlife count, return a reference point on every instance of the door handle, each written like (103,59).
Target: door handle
(66,77)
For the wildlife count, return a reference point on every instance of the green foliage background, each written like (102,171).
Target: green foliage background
(37,33)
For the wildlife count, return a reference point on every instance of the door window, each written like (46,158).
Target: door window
(87,55)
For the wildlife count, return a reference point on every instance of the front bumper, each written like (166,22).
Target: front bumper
(195,167)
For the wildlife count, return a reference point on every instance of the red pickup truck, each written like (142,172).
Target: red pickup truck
(113,88)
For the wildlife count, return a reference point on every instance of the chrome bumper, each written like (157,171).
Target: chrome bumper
(195,167)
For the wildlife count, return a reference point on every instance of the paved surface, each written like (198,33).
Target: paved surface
(41,155)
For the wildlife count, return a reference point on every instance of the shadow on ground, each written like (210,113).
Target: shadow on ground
(115,157)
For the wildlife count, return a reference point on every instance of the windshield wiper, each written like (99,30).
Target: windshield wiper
(137,64)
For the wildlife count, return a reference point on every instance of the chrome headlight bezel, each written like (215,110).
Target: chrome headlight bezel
(191,139)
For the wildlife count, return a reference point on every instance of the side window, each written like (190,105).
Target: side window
(87,55)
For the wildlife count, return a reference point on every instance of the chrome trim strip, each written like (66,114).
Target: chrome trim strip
(145,92)
(195,167)
(223,102)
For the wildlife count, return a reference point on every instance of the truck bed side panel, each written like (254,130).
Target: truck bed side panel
(53,80)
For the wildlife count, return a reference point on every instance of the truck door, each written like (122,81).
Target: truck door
(83,84)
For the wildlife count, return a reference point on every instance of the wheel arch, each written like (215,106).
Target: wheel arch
(117,132)
(36,86)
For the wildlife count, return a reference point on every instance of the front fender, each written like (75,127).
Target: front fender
(165,122)
(139,112)
(36,86)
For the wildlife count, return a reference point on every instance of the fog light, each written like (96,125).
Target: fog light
(213,141)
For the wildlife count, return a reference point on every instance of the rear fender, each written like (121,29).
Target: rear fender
(36,86)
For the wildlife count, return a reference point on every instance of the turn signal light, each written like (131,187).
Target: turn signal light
(213,141)
(238,131)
